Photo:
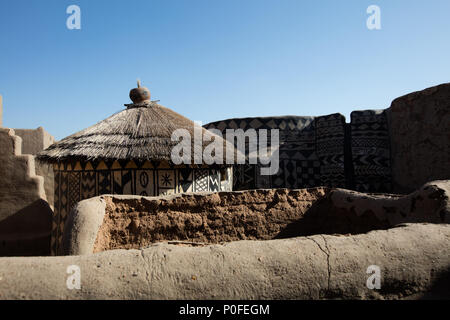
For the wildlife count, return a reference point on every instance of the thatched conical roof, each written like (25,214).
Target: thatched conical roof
(141,132)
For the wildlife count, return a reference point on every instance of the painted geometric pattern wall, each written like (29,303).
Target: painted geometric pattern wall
(330,146)
(320,151)
(77,181)
(302,164)
(370,151)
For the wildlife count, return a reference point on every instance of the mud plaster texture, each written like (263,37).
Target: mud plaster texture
(419,131)
(34,141)
(25,215)
(430,203)
(132,222)
(414,262)
(202,218)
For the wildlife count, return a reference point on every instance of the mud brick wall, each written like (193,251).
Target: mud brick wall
(419,125)
(311,152)
(25,215)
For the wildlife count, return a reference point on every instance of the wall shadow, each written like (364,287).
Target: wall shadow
(440,289)
(27,232)
(324,218)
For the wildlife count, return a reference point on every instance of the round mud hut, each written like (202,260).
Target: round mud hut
(131,153)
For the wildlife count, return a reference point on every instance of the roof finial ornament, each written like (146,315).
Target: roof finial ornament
(140,95)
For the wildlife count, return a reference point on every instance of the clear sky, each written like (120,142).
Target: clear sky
(215,59)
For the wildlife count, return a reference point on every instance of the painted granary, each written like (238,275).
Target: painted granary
(128,153)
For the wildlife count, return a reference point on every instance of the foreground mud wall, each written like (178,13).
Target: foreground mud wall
(212,218)
(414,261)
(131,222)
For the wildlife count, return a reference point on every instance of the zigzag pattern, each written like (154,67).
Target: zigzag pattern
(318,142)
(330,135)
(370,151)
(214,181)
(321,140)
(104,182)
(88,185)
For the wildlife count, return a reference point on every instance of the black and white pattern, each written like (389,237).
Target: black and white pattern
(186,179)
(117,182)
(297,148)
(214,180)
(370,151)
(262,181)
(308,173)
(104,182)
(201,180)
(244,177)
(330,135)
(74,188)
(166,182)
(88,184)
(55,219)
(226,179)
(63,204)
(145,182)
(78,181)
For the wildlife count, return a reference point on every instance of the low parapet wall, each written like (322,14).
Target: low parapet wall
(131,222)
(413,262)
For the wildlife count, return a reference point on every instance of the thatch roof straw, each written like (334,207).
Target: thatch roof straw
(140,132)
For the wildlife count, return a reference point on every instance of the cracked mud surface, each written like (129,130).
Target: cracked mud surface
(196,219)
(414,260)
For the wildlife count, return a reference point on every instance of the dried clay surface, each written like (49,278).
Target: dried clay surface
(193,219)
(202,218)
(225,216)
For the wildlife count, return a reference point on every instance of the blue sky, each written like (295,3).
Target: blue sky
(211,60)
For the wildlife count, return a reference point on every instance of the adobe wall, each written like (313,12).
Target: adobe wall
(25,216)
(133,222)
(34,141)
(413,261)
(393,150)
(419,125)
(210,218)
